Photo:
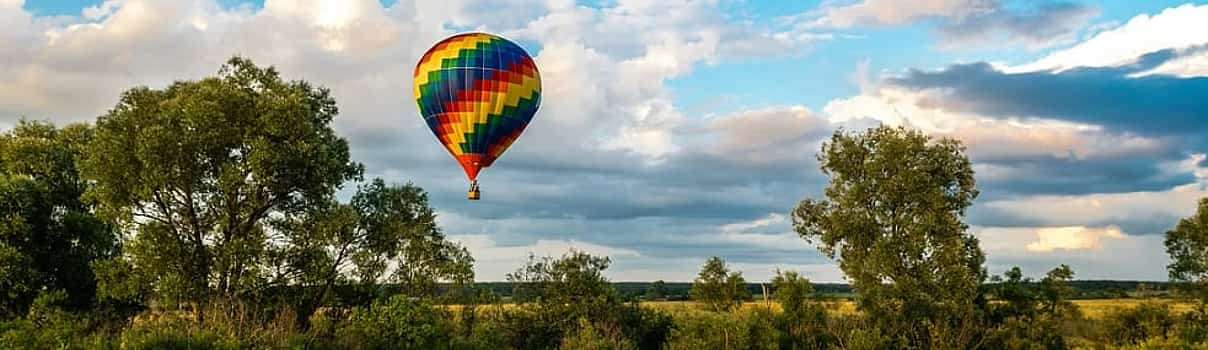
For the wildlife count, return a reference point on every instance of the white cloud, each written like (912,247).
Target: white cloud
(890,12)
(767,135)
(1049,239)
(1092,252)
(1173,28)
(772,218)
(1034,24)
(988,138)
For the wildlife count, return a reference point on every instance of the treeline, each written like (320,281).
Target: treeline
(204,215)
(678,291)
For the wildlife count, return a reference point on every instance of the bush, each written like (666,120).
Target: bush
(396,323)
(1139,324)
(591,337)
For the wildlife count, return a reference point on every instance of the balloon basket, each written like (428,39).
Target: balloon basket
(474,194)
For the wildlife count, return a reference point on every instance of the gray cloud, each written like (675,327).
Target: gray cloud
(1110,96)
(1035,24)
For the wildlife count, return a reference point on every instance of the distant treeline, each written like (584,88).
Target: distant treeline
(1087,289)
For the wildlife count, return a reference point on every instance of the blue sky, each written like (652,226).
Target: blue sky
(685,129)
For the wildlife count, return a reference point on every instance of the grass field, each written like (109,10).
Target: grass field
(1091,308)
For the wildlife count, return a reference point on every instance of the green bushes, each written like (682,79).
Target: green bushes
(1154,323)
(396,323)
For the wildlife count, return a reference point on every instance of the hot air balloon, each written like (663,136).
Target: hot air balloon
(477,92)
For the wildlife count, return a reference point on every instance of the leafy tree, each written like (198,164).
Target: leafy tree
(556,294)
(657,291)
(48,233)
(1187,245)
(718,288)
(1056,291)
(893,218)
(575,281)
(354,243)
(803,322)
(1030,314)
(197,169)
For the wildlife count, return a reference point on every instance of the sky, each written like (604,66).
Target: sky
(674,130)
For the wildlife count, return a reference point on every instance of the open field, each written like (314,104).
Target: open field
(1091,308)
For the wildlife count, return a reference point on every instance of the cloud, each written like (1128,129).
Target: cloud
(964,23)
(1173,28)
(1021,155)
(1141,213)
(1092,252)
(1072,238)
(1108,96)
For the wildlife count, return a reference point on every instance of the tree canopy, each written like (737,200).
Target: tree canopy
(893,218)
(718,288)
(1187,245)
(48,233)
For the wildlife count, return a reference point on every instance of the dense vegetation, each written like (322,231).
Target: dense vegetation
(204,216)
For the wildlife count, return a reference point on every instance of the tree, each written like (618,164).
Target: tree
(657,291)
(1056,291)
(382,226)
(576,280)
(893,218)
(718,288)
(195,170)
(49,235)
(1030,315)
(1187,245)
(803,322)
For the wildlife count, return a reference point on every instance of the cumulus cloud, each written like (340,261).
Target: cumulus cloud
(1072,238)
(962,23)
(1173,28)
(1092,252)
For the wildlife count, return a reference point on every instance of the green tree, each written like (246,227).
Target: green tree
(657,291)
(49,235)
(1187,245)
(1056,290)
(1030,315)
(557,295)
(355,243)
(717,288)
(893,218)
(802,325)
(197,168)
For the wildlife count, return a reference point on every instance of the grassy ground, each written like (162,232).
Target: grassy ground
(1092,308)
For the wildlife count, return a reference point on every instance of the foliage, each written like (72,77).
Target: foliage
(396,323)
(718,288)
(1030,315)
(554,294)
(48,234)
(802,324)
(196,169)
(657,291)
(1146,321)
(588,336)
(355,243)
(893,218)
(1187,245)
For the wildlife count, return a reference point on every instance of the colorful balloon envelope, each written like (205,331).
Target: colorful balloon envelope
(477,92)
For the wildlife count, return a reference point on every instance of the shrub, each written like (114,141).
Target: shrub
(396,323)
(588,336)
(1141,323)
